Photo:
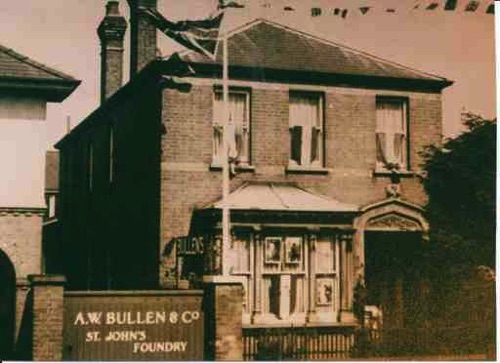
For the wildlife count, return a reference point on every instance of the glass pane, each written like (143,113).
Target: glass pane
(325,256)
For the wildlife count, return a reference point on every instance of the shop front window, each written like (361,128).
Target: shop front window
(288,279)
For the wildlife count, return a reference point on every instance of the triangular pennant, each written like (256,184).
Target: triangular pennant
(491,8)
(432,6)
(364,9)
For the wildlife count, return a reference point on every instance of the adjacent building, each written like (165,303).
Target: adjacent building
(26,87)
(326,190)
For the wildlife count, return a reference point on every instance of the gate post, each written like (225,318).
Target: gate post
(223,310)
(48,295)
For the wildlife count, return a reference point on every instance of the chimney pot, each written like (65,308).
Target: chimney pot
(112,8)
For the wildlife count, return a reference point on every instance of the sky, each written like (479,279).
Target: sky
(457,45)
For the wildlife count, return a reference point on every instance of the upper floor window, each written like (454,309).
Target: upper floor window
(238,127)
(391,133)
(306,129)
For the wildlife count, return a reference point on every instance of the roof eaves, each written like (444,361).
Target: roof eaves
(214,70)
(55,90)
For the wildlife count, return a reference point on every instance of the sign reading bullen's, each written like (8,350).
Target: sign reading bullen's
(155,325)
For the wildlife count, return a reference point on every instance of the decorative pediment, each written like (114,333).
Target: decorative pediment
(393,222)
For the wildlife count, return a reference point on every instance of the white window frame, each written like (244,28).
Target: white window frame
(385,149)
(218,127)
(307,132)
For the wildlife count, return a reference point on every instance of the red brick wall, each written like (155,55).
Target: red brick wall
(47,295)
(223,331)
(20,239)
(187,181)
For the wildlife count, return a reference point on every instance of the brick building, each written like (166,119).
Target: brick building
(326,189)
(26,87)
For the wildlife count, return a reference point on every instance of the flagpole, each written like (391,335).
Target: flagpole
(226,223)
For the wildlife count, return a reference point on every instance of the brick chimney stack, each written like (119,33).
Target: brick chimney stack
(143,42)
(111,32)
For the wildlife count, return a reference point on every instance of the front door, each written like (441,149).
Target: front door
(392,275)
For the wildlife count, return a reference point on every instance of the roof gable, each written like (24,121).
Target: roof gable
(24,76)
(15,65)
(268,45)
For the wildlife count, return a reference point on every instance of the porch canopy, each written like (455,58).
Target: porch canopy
(280,202)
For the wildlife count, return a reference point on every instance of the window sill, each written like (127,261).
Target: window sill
(401,173)
(306,170)
(238,169)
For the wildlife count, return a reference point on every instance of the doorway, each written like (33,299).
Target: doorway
(7,306)
(392,275)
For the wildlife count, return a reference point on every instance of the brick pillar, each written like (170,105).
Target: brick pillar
(47,296)
(223,320)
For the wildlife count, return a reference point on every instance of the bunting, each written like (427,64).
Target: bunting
(448,5)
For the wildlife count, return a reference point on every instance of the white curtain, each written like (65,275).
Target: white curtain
(238,128)
(305,125)
(391,132)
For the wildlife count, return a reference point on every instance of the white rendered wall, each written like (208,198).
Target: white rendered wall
(23,142)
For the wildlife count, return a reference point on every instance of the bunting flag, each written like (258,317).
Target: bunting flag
(450,5)
(364,9)
(472,6)
(198,35)
(315,11)
(224,4)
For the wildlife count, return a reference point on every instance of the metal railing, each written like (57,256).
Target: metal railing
(298,343)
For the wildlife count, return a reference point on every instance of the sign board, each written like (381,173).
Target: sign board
(136,325)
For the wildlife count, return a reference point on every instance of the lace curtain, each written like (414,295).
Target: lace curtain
(238,128)
(305,129)
(391,132)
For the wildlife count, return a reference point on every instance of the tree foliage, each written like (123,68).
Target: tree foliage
(459,178)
